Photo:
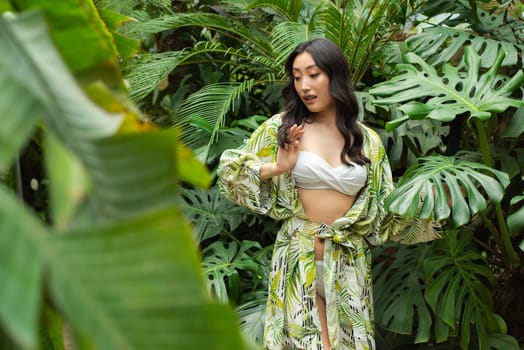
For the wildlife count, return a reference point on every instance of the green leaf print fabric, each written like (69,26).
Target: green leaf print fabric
(292,320)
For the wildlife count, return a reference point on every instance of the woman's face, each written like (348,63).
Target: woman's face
(312,84)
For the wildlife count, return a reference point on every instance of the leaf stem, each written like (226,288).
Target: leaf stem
(511,258)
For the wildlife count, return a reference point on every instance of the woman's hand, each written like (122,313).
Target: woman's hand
(286,156)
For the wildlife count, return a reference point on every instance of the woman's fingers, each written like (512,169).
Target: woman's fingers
(295,132)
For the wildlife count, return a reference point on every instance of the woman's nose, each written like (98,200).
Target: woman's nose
(305,85)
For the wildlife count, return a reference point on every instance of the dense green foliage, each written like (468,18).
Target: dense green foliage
(441,81)
(110,254)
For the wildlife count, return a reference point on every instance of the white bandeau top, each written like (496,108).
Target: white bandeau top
(313,172)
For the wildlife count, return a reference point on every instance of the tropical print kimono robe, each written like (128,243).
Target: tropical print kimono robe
(292,319)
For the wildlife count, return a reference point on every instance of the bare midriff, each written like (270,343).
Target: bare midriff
(324,207)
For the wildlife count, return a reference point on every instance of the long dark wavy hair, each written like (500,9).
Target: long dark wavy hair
(331,60)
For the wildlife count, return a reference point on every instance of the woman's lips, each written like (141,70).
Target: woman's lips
(309,99)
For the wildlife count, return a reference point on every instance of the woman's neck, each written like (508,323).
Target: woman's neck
(327,118)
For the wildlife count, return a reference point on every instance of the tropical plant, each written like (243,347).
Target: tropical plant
(439,80)
(250,57)
(116,259)
(472,91)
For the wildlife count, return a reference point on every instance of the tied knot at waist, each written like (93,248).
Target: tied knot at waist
(339,232)
(339,235)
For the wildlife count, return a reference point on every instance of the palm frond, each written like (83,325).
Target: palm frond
(130,7)
(285,37)
(213,110)
(413,230)
(372,25)
(257,40)
(290,10)
(145,72)
(252,315)
(360,29)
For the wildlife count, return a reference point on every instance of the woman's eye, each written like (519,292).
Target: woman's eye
(314,75)
(296,78)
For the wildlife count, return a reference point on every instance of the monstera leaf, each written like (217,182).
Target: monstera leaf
(438,45)
(459,289)
(450,92)
(516,219)
(222,262)
(432,288)
(399,289)
(446,186)
(211,213)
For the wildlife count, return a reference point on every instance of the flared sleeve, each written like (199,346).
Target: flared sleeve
(239,174)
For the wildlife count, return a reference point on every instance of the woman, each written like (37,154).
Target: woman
(325,176)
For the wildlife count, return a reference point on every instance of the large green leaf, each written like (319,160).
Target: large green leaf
(21,269)
(399,289)
(252,315)
(82,39)
(138,285)
(445,186)
(459,288)
(438,45)
(451,92)
(49,91)
(132,285)
(516,218)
